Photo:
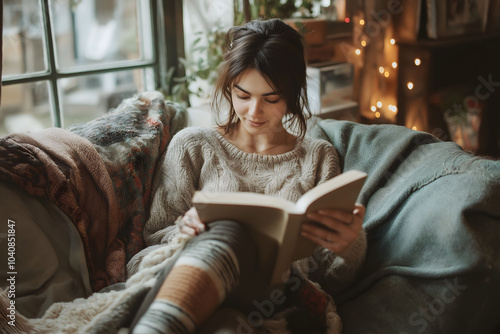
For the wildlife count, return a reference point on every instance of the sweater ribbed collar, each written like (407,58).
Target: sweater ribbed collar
(236,153)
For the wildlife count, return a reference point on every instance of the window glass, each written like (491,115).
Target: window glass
(113,38)
(87,97)
(205,23)
(23,38)
(25,107)
(89,32)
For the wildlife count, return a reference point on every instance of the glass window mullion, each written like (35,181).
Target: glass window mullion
(49,46)
(51,69)
(155,44)
(67,74)
(96,69)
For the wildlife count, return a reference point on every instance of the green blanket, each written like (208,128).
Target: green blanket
(433,229)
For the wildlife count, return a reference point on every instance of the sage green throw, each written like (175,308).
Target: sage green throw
(433,230)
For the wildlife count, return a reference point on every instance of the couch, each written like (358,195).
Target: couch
(78,199)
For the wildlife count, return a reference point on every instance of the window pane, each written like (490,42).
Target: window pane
(88,97)
(25,107)
(90,32)
(23,38)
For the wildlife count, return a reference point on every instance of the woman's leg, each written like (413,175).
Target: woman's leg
(207,270)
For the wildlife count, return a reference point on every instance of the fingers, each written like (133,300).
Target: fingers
(333,239)
(359,211)
(188,230)
(191,224)
(334,229)
(333,220)
(194,223)
(336,215)
(193,214)
(338,220)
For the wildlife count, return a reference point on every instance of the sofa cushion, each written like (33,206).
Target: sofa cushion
(433,225)
(130,139)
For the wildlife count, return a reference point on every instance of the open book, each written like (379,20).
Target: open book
(275,223)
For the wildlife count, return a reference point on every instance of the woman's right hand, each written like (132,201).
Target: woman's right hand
(191,223)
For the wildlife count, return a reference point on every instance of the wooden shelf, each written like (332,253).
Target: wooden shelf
(458,41)
(472,60)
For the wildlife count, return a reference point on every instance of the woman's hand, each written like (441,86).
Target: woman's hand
(191,224)
(333,229)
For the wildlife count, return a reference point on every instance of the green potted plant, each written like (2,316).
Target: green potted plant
(199,68)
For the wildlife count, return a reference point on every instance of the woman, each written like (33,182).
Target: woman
(260,147)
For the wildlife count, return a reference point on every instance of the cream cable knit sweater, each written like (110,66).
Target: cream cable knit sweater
(200,158)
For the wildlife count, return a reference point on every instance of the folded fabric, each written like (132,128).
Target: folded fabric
(66,169)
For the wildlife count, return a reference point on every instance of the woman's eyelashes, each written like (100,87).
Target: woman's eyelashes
(273,101)
(244,97)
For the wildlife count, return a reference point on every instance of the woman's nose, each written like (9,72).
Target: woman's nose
(254,108)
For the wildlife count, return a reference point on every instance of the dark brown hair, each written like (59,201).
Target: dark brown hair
(276,51)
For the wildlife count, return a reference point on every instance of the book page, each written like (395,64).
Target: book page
(293,247)
(268,221)
(242,198)
(339,192)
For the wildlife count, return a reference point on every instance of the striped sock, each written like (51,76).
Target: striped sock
(197,284)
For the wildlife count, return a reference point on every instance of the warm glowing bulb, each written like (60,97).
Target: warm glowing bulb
(377,114)
(394,64)
(362,22)
(386,74)
(381,69)
(393,41)
(363,43)
(409,85)
(414,127)
(379,104)
(347,20)
(358,52)
(373,108)
(418,61)
(393,108)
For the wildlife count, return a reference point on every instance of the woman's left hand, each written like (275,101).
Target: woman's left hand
(334,229)
(191,223)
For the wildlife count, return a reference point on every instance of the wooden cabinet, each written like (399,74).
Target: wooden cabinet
(470,62)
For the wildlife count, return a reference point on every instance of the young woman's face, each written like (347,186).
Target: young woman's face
(257,104)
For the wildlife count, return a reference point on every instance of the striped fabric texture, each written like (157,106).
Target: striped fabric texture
(198,283)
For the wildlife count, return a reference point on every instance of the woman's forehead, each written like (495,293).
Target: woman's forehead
(252,81)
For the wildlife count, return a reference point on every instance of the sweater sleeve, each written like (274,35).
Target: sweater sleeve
(327,165)
(173,187)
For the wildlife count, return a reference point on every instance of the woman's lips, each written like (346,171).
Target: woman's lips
(255,124)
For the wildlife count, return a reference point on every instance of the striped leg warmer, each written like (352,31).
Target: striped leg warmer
(206,271)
